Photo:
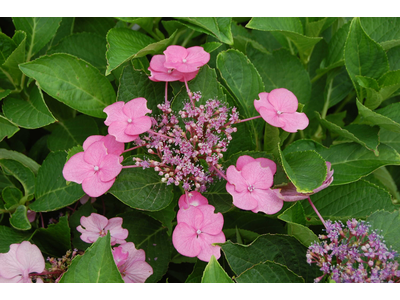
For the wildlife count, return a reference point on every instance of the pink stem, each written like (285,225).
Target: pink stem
(249,119)
(130,149)
(189,93)
(166,92)
(131,166)
(159,134)
(220,173)
(316,211)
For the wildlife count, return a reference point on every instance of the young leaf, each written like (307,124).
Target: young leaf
(23,174)
(19,219)
(214,273)
(72,81)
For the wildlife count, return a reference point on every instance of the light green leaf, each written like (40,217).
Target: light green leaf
(31,113)
(72,81)
(39,32)
(26,161)
(11,197)
(95,266)
(214,273)
(269,272)
(19,219)
(52,191)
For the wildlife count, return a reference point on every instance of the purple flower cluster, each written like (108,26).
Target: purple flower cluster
(181,141)
(354,254)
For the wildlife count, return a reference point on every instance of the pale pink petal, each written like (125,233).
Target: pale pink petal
(117,129)
(283,100)
(137,272)
(136,108)
(109,168)
(174,56)
(197,56)
(192,199)
(120,256)
(94,187)
(212,222)
(31,215)
(95,153)
(265,162)
(242,200)
(118,234)
(30,258)
(289,193)
(15,279)
(271,117)
(171,75)
(90,140)
(157,63)
(269,201)
(235,177)
(257,176)
(184,239)
(243,160)
(9,264)
(88,236)
(95,222)
(114,112)
(138,126)
(187,76)
(207,250)
(192,216)
(294,121)
(112,145)
(134,254)
(263,102)
(77,169)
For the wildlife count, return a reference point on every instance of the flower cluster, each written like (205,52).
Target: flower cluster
(353,254)
(130,261)
(198,228)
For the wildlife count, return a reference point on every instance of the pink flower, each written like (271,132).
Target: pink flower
(290,194)
(160,73)
(31,215)
(192,199)
(198,228)
(127,120)
(94,168)
(22,260)
(96,225)
(131,263)
(113,147)
(185,60)
(86,198)
(250,183)
(278,108)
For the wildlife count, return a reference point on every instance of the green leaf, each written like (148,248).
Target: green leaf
(23,174)
(10,236)
(39,32)
(269,272)
(142,189)
(7,46)
(11,197)
(214,273)
(72,81)
(363,56)
(387,224)
(217,196)
(305,169)
(124,44)
(99,25)
(52,191)
(26,161)
(336,46)
(7,129)
(92,48)
(197,273)
(75,221)
(149,235)
(166,215)
(72,132)
(387,117)
(354,200)
(296,220)
(292,29)
(54,240)
(19,219)
(95,266)
(31,113)
(393,55)
(4,94)
(282,70)
(219,27)
(364,135)
(390,83)
(383,30)
(350,161)
(282,249)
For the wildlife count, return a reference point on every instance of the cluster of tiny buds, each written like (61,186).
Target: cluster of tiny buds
(182,140)
(353,254)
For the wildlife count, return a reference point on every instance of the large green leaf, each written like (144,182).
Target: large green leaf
(95,266)
(384,31)
(282,249)
(214,273)
(26,161)
(7,129)
(10,236)
(52,191)
(7,46)
(354,200)
(31,113)
(363,56)
(269,272)
(72,81)
(142,189)
(23,174)
(149,235)
(39,32)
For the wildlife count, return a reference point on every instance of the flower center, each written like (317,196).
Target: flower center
(251,188)
(129,120)
(184,60)
(279,112)
(170,71)
(198,231)
(96,168)
(103,232)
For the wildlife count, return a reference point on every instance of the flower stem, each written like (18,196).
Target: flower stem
(220,173)
(316,211)
(166,92)
(133,148)
(131,166)
(159,134)
(249,119)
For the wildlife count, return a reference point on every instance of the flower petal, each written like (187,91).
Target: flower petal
(94,187)
(207,250)
(235,178)
(137,272)
(271,117)
(212,222)
(117,129)
(95,153)
(138,126)
(136,108)
(269,201)
(184,239)
(77,169)
(109,168)
(294,121)
(191,199)
(242,200)
(263,102)
(257,176)
(114,112)
(30,257)
(283,100)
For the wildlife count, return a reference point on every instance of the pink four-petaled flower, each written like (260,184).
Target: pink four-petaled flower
(161,73)
(20,261)
(192,198)
(198,228)
(126,121)
(250,184)
(96,225)
(278,108)
(94,168)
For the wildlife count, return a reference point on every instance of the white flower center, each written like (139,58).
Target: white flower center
(129,120)
(96,168)
(279,112)
(251,188)
(184,60)
(198,231)
(170,71)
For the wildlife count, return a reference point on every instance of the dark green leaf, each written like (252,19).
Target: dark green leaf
(23,174)
(10,236)
(7,129)
(26,161)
